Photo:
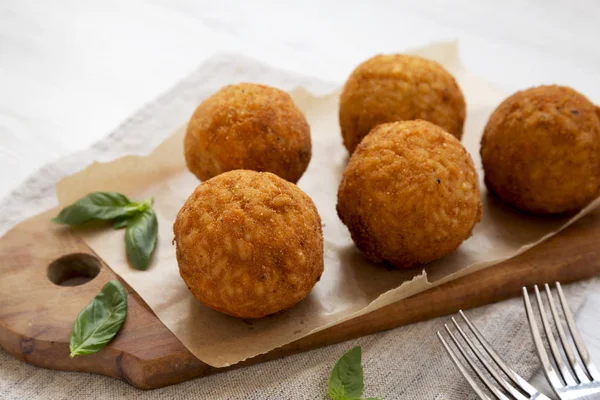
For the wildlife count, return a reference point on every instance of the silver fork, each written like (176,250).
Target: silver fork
(514,388)
(574,380)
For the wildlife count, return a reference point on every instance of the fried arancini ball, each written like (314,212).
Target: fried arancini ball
(249,244)
(410,194)
(248,126)
(541,150)
(388,88)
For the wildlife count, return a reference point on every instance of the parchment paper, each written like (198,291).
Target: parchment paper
(350,286)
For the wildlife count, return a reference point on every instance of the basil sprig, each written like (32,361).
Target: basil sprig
(346,379)
(98,323)
(138,218)
(97,206)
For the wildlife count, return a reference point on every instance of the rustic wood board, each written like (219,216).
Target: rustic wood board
(36,315)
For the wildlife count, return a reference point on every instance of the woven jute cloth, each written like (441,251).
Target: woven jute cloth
(404,363)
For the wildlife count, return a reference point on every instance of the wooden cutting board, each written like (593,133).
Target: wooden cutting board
(37,314)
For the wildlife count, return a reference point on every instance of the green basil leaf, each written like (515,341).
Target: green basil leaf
(100,320)
(97,205)
(121,222)
(346,379)
(140,238)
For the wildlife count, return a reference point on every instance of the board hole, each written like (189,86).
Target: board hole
(74,269)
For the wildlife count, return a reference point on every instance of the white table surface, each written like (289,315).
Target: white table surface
(70,71)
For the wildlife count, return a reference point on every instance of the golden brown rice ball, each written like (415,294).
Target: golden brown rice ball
(388,88)
(249,244)
(410,194)
(541,150)
(248,126)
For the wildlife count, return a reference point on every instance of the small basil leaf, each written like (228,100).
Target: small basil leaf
(140,238)
(346,379)
(100,320)
(121,222)
(96,205)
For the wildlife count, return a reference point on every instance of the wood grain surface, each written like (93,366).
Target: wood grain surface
(36,318)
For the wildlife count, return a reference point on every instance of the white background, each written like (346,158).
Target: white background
(70,71)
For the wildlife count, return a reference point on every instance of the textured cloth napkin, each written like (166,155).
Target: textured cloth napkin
(404,363)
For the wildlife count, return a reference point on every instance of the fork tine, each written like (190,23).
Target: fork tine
(510,389)
(516,378)
(475,368)
(579,344)
(579,374)
(462,369)
(549,371)
(558,359)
